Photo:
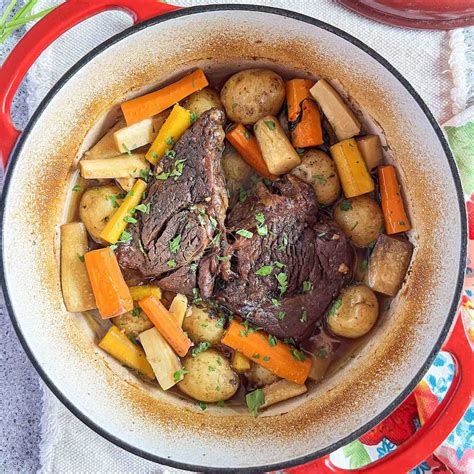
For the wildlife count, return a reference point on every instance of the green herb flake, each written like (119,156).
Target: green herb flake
(113,200)
(290,341)
(284,243)
(243,195)
(194,266)
(345,206)
(80,257)
(300,151)
(171,263)
(162,176)
(125,237)
(202,406)
(297,355)
(130,220)
(336,305)
(307,286)
(260,218)
(272,340)
(264,271)
(223,258)
(266,359)
(145,174)
(220,403)
(154,155)
(247,134)
(262,230)
(193,117)
(255,400)
(169,141)
(245,233)
(125,147)
(281,315)
(256,356)
(210,368)
(270,124)
(304,316)
(175,243)
(320,178)
(179,375)
(136,312)
(275,302)
(322,353)
(170,154)
(282,282)
(322,234)
(279,264)
(113,247)
(213,222)
(76,188)
(144,208)
(201,347)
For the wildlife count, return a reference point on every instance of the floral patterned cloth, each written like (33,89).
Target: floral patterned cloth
(456,454)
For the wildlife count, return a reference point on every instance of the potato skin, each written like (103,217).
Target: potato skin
(201,327)
(203,100)
(252,94)
(354,313)
(96,208)
(360,218)
(320,171)
(260,376)
(132,325)
(209,378)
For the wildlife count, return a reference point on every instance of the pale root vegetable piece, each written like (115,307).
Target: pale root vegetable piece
(354,313)
(201,327)
(105,147)
(140,133)
(252,94)
(240,363)
(236,170)
(319,367)
(202,101)
(132,323)
(163,360)
(117,223)
(371,150)
(75,284)
(277,150)
(209,377)
(178,308)
(340,116)
(319,170)
(351,167)
(143,291)
(98,204)
(123,166)
(360,218)
(388,264)
(126,183)
(260,376)
(281,391)
(120,347)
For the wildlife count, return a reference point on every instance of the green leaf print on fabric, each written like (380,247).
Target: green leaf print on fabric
(357,454)
(461,140)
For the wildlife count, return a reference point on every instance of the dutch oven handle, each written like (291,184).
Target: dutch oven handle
(41,35)
(435,430)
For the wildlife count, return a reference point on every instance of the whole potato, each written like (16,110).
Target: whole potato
(97,206)
(320,171)
(260,376)
(209,377)
(203,100)
(201,327)
(360,218)
(354,312)
(251,94)
(235,168)
(133,322)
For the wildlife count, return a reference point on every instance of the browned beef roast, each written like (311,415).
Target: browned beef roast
(308,260)
(187,205)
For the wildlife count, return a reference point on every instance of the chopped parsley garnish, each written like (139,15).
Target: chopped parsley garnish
(178,169)
(284,243)
(256,356)
(245,233)
(255,400)
(130,220)
(171,263)
(80,257)
(196,295)
(213,222)
(266,359)
(175,244)
(401,222)
(220,403)
(363,265)
(322,234)
(125,237)
(76,188)
(300,151)
(281,315)
(201,347)
(145,208)
(275,302)
(210,368)
(136,312)
(154,155)
(307,286)
(260,217)
(223,258)
(249,329)
(169,141)
(170,154)
(264,271)
(125,147)
(345,206)
(243,195)
(113,247)
(270,124)
(289,340)
(194,266)
(297,355)
(163,176)
(262,230)
(336,305)
(113,200)
(282,282)
(247,134)
(320,178)
(272,340)
(193,117)
(179,375)
(220,323)
(142,249)
(323,353)
(202,406)
(279,264)
(145,174)
(304,316)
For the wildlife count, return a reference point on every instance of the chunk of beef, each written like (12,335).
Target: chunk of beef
(285,276)
(187,203)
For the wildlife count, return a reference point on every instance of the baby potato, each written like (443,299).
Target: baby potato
(252,94)
(201,327)
(133,322)
(360,218)
(203,100)
(354,312)
(260,376)
(320,171)
(97,207)
(209,377)
(235,168)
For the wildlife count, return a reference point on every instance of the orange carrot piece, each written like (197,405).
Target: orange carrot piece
(155,102)
(307,131)
(269,352)
(246,144)
(395,217)
(110,290)
(166,324)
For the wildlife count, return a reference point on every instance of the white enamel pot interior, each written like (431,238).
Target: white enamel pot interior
(141,418)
